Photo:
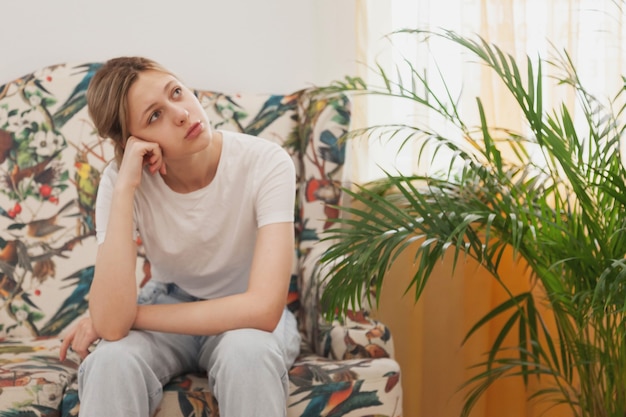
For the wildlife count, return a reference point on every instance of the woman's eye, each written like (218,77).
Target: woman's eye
(154,116)
(177,92)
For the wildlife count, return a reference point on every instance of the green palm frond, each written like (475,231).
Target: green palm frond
(558,201)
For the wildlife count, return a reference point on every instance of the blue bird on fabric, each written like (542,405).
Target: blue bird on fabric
(73,306)
(272,109)
(70,403)
(78,99)
(324,396)
(335,151)
(337,399)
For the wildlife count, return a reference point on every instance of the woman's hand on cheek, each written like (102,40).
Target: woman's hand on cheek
(155,162)
(138,153)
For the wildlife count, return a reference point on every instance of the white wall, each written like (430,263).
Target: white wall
(225,45)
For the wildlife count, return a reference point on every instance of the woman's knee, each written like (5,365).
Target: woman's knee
(111,357)
(248,361)
(118,370)
(245,348)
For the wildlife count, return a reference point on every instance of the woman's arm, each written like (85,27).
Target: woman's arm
(260,307)
(113,293)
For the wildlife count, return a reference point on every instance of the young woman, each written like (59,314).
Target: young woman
(214,210)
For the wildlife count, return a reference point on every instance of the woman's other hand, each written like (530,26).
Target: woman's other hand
(79,339)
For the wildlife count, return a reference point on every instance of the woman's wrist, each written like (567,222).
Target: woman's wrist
(124,188)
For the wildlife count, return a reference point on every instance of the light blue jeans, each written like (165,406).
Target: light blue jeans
(247,368)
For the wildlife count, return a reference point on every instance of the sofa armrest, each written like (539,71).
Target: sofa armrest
(356,335)
(323,120)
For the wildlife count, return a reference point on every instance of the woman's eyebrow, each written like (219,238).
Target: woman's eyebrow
(153,105)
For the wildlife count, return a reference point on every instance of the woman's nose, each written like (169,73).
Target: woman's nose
(182,116)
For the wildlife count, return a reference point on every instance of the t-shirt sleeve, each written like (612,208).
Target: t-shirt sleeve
(277,187)
(103,201)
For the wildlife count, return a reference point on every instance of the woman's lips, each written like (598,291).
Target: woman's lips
(194,130)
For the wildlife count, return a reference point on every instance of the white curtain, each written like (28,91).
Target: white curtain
(427,335)
(593,32)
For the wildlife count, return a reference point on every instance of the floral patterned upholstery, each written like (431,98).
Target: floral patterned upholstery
(50,163)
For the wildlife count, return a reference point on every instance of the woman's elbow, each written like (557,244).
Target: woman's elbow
(268,320)
(111,328)
(110,332)
(114,336)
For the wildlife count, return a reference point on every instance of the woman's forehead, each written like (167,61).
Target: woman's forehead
(151,82)
(149,87)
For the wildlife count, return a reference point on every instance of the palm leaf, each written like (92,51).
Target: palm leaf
(558,202)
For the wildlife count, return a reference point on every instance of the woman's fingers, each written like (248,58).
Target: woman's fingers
(79,339)
(154,160)
(65,344)
(80,346)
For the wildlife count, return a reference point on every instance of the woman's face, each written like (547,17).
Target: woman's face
(163,111)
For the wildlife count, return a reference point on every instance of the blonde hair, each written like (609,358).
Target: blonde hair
(107,97)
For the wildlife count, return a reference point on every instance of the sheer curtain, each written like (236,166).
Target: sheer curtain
(591,31)
(428,335)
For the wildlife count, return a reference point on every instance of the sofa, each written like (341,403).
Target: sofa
(50,164)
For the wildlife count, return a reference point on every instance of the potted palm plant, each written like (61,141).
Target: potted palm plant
(558,200)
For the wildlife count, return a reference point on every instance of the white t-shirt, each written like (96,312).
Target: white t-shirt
(204,240)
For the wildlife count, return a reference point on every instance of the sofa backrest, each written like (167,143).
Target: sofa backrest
(50,163)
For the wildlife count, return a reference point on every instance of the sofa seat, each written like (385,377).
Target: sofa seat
(318,387)
(33,381)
